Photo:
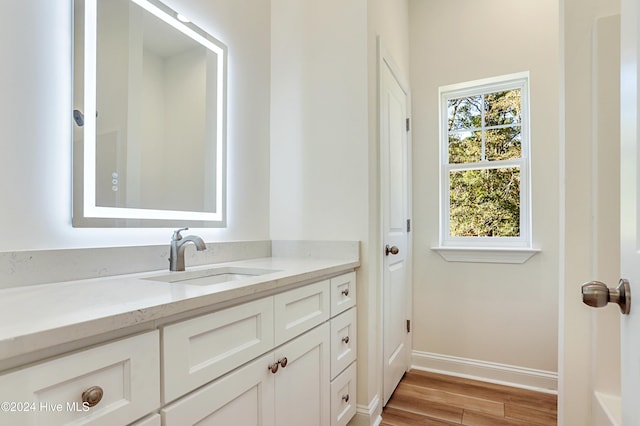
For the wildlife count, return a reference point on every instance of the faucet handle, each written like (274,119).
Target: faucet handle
(176,234)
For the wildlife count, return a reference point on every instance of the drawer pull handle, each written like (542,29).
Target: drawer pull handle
(345,292)
(345,398)
(273,367)
(345,339)
(92,396)
(283,361)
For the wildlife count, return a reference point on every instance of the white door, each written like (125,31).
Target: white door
(629,197)
(394,183)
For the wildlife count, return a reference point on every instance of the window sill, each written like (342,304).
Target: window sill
(485,254)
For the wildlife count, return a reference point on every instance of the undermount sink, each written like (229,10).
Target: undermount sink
(211,276)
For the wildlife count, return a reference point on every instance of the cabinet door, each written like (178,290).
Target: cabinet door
(302,386)
(243,398)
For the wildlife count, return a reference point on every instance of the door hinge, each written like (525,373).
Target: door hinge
(408,124)
(408,225)
(408,326)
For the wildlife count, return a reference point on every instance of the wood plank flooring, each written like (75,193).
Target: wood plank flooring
(429,399)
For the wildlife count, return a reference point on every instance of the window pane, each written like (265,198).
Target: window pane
(465,113)
(485,203)
(465,147)
(503,144)
(502,107)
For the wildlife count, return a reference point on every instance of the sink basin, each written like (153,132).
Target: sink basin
(210,276)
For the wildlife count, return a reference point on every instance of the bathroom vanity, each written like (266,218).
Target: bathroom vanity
(268,341)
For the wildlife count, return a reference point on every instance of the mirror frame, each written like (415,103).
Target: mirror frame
(85,211)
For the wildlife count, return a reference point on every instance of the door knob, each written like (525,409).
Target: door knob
(393,250)
(597,295)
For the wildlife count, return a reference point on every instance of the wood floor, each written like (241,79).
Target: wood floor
(429,399)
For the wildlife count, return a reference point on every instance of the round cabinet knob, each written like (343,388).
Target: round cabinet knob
(597,295)
(345,398)
(92,396)
(283,362)
(273,367)
(345,339)
(345,292)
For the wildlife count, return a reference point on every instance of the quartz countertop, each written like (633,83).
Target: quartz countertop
(36,317)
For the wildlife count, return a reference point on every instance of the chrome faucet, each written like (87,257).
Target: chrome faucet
(176,256)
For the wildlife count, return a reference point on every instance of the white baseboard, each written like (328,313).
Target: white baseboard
(368,415)
(510,375)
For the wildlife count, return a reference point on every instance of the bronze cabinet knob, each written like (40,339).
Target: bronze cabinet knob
(92,396)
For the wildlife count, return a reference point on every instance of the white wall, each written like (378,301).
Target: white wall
(35,118)
(319,138)
(318,120)
(497,313)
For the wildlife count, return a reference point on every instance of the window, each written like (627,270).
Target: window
(485,164)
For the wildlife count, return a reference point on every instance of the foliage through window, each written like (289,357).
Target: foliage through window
(485,165)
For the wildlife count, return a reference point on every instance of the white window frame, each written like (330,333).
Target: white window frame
(487,249)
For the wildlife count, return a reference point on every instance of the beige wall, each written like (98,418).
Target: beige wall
(497,313)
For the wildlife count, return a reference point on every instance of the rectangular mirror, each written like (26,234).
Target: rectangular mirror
(149,118)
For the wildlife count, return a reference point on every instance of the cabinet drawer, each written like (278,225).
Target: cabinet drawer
(343,341)
(343,293)
(244,398)
(300,309)
(199,350)
(343,397)
(52,392)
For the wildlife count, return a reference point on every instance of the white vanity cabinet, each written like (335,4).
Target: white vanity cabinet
(267,391)
(111,384)
(293,383)
(275,358)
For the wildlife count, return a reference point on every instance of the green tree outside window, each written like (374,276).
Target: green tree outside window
(484,195)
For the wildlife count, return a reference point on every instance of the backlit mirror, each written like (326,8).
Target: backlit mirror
(149,117)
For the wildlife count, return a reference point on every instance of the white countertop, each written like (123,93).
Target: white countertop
(39,316)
